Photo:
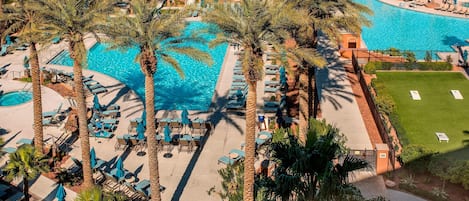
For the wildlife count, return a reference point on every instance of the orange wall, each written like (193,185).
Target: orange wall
(346,39)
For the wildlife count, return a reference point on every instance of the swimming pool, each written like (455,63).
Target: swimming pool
(195,92)
(410,30)
(15,98)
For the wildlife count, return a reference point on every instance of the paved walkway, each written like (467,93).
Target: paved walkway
(337,101)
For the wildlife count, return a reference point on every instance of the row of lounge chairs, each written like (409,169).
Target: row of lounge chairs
(135,189)
(104,122)
(454,9)
(93,86)
(239,89)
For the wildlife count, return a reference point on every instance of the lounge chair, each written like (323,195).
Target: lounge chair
(8,150)
(52,113)
(4,69)
(4,50)
(271,89)
(457,94)
(415,95)
(238,78)
(442,137)
(271,72)
(272,67)
(24,141)
(103,134)
(270,107)
(272,83)
(226,160)
(113,113)
(99,90)
(56,40)
(95,86)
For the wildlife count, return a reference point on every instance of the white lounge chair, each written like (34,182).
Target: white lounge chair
(415,95)
(457,94)
(442,137)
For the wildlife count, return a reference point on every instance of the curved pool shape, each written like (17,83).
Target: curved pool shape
(194,92)
(15,98)
(411,30)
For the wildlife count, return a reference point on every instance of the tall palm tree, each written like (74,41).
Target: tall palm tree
(157,35)
(25,21)
(328,18)
(72,19)
(311,171)
(26,163)
(251,24)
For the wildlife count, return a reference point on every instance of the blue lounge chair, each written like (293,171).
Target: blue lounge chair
(226,160)
(4,50)
(4,69)
(272,83)
(56,40)
(9,149)
(103,134)
(24,141)
(238,78)
(236,104)
(271,89)
(99,90)
(95,86)
(237,151)
(271,72)
(52,113)
(110,113)
(238,84)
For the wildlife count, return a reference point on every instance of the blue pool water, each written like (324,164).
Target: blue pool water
(195,92)
(410,30)
(15,98)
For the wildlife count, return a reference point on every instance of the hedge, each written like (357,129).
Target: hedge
(372,66)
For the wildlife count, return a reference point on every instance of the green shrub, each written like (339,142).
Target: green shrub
(459,173)
(410,57)
(394,52)
(416,157)
(439,192)
(370,67)
(436,66)
(439,166)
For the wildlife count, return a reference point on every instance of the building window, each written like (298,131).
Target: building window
(352,43)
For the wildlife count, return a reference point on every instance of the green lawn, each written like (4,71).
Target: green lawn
(438,111)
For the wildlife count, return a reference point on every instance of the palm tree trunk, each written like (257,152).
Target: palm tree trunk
(25,187)
(250,136)
(37,98)
(82,111)
(304,106)
(151,137)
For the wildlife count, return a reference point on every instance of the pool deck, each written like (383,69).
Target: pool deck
(186,176)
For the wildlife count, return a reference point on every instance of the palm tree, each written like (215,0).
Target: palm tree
(251,24)
(311,171)
(157,35)
(24,20)
(26,163)
(328,18)
(72,19)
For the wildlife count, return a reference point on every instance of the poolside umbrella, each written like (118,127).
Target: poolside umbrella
(60,195)
(140,131)
(283,78)
(96,104)
(119,169)
(239,93)
(185,118)
(144,118)
(167,134)
(26,62)
(8,40)
(93,157)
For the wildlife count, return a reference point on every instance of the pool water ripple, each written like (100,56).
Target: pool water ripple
(411,30)
(194,92)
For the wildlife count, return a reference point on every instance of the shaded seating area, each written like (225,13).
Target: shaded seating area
(233,157)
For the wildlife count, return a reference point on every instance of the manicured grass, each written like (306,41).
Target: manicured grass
(438,111)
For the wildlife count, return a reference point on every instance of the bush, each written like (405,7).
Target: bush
(417,157)
(459,173)
(421,193)
(372,66)
(410,57)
